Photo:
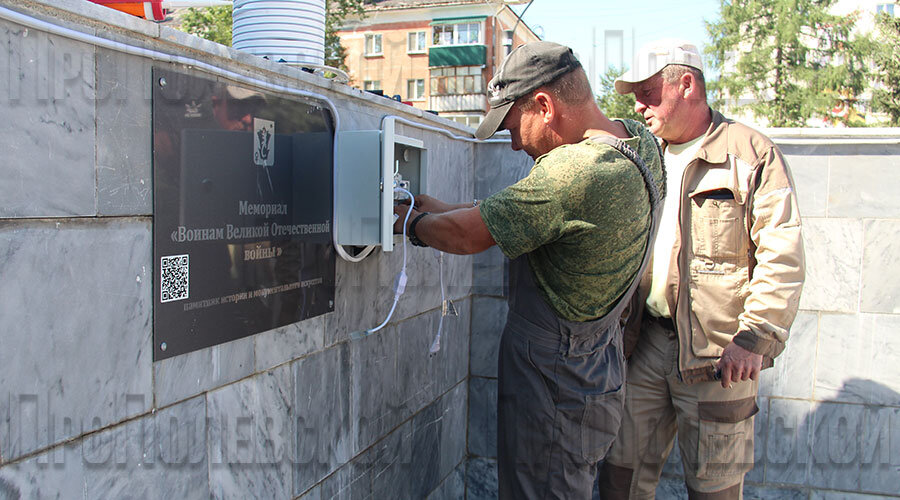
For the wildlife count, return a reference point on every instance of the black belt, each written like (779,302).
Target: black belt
(666,323)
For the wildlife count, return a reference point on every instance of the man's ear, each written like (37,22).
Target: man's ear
(688,85)
(545,106)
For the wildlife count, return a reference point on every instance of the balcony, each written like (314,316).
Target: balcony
(458,102)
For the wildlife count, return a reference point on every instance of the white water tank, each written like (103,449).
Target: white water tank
(289,31)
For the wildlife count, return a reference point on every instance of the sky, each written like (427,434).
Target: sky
(574,22)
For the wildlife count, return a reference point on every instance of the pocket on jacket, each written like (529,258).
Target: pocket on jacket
(725,441)
(717,225)
(717,293)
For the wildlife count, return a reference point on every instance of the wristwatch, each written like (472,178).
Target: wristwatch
(411,233)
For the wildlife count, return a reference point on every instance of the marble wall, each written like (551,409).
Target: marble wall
(307,410)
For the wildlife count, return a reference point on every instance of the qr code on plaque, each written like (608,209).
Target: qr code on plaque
(174,277)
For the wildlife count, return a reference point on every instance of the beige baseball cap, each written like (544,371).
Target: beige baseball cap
(656,55)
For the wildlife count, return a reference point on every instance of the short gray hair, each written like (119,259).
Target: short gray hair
(673,72)
(572,88)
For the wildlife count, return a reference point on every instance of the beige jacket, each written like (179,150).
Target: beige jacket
(737,265)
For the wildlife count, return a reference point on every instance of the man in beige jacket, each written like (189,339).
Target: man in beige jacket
(717,304)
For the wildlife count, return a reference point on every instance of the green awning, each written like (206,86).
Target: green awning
(457,55)
(458,20)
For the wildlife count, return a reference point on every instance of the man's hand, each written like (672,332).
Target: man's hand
(738,364)
(401,210)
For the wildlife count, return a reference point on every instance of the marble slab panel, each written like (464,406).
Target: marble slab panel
(833,250)
(251,437)
(880,285)
(355,299)
(288,343)
(490,273)
(48,125)
(451,362)
(837,435)
(488,320)
(789,441)
(764,492)
(884,378)
(453,426)
(417,371)
(880,450)
(864,186)
(481,479)
(375,404)
(75,312)
(482,417)
(843,495)
(810,174)
(453,487)
(196,372)
(351,482)
(323,416)
(162,455)
(391,459)
(53,474)
(793,376)
(124,129)
(498,166)
(857,359)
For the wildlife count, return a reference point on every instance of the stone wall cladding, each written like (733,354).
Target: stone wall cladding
(300,410)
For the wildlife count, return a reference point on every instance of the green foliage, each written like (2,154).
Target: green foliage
(886,97)
(212,23)
(336,12)
(795,58)
(613,104)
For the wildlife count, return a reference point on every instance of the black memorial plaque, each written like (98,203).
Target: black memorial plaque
(242,209)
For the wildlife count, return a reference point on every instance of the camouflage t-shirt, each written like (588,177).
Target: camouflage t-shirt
(582,216)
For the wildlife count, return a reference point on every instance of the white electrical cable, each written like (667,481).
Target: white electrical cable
(400,280)
(436,344)
(440,130)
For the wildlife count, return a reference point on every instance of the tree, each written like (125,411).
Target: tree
(612,103)
(336,12)
(886,97)
(795,58)
(214,23)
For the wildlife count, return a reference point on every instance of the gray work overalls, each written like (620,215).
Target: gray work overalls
(561,383)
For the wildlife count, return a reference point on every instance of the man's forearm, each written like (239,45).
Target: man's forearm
(460,231)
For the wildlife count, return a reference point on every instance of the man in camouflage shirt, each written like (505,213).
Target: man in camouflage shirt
(577,229)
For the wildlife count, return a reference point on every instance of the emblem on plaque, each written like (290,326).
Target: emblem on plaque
(263,142)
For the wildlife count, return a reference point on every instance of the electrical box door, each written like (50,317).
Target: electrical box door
(370,164)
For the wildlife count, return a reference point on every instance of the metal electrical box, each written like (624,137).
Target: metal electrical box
(366,163)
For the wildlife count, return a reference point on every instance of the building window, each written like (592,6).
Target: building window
(372,85)
(887,8)
(415,44)
(457,80)
(457,34)
(373,45)
(415,89)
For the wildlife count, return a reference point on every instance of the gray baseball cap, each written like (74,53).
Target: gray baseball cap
(525,69)
(656,55)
